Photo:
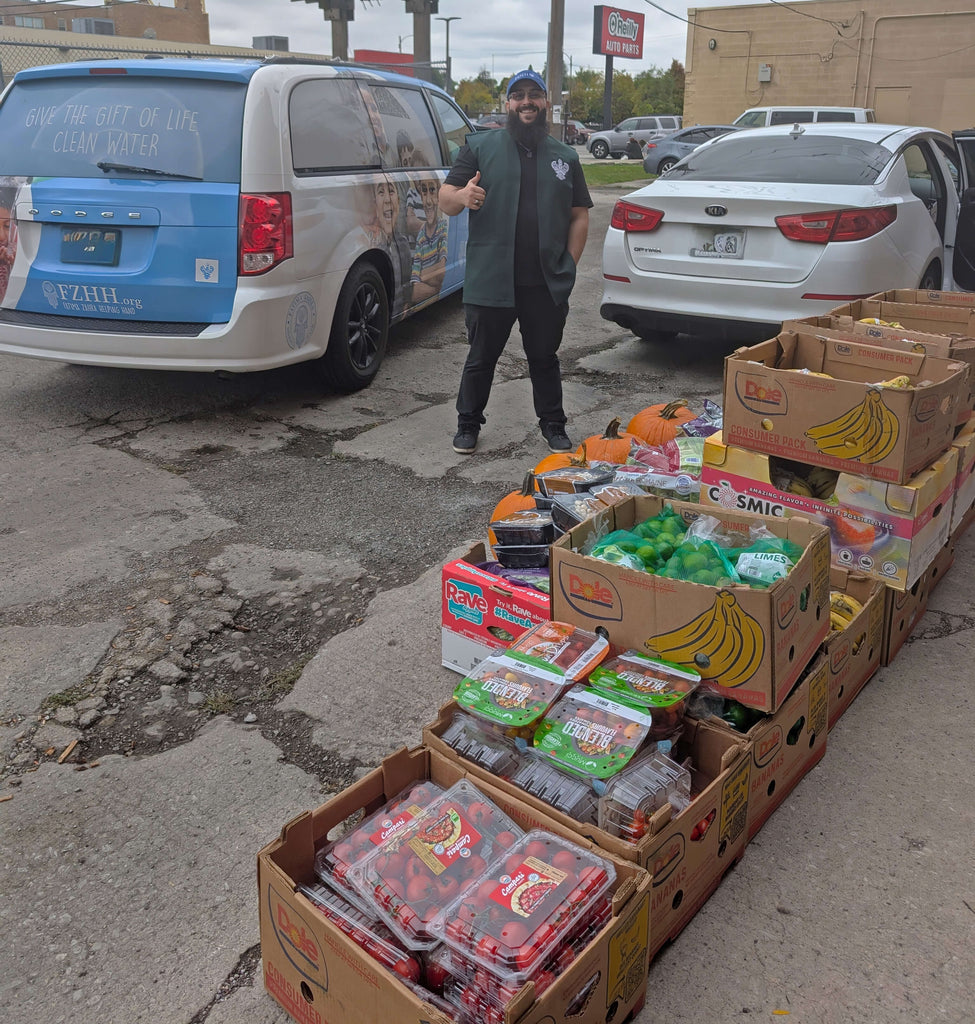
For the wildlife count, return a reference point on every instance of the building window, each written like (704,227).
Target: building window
(24,22)
(62,25)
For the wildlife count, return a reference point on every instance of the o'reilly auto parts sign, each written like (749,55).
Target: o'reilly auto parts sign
(617,33)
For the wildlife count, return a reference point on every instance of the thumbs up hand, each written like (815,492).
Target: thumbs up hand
(473,193)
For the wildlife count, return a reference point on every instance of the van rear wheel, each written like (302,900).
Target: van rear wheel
(360,330)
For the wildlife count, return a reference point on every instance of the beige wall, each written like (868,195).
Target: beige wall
(187,22)
(911,64)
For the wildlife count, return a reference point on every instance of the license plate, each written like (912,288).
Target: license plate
(81,245)
(726,245)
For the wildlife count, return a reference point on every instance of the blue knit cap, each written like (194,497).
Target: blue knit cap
(529,75)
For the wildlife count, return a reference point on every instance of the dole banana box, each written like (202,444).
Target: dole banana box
(820,401)
(784,746)
(888,531)
(943,561)
(748,644)
(964,444)
(687,854)
(944,346)
(933,312)
(481,612)
(853,654)
(320,976)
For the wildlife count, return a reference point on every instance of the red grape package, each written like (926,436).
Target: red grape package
(433,860)
(334,861)
(536,898)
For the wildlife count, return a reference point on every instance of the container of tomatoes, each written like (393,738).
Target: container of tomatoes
(661,688)
(434,860)
(535,899)
(590,733)
(334,860)
(636,794)
(481,743)
(511,690)
(572,650)
(567,793)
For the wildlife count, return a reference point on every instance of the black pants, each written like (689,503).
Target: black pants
(541,323)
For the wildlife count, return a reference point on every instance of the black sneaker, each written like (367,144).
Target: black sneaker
(465,440)
(558,440)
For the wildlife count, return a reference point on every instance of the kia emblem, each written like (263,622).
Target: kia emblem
(715,211)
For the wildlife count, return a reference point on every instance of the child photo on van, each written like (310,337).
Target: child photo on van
(8,237)
(430,250)
(380,222)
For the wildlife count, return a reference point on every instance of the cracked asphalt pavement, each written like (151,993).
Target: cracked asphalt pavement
(221,604)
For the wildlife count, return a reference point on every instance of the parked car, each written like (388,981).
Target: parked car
(211,214)
(659,155)
(613,142)
(767,224)
(576,133)
(761,117)
(492,121)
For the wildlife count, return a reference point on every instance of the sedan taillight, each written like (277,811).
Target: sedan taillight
(630,217)
(265,231)
(836,225)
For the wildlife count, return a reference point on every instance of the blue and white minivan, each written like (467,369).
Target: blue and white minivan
(222,214)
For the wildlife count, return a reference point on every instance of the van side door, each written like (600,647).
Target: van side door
(961,159)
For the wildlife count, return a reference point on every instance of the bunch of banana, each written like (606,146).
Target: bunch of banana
(867,432)
(724,643)
(843,609)
(901,382)
(877,322)
(822,481)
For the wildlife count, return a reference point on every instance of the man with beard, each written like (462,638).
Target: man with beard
(529,220)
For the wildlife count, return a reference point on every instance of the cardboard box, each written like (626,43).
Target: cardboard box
(933,312)
(964,444)
(687,854)
(481,612)
(903,610)
(768,407)
(319,975)
(944,346)
(789,619)
(943,561)
(854,655)
(888,531)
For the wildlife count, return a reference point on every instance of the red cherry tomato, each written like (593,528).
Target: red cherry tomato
(505,839)
(536,848)
(513,934)
(565,860)
(408,968)
(434,976)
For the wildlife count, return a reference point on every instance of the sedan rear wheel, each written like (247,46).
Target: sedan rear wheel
(931,278)
(600,150)
(665,165)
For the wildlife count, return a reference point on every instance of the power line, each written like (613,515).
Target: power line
(697,24)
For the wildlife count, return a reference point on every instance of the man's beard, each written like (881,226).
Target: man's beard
(529,135)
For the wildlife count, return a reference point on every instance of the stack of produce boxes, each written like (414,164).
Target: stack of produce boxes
(854,425)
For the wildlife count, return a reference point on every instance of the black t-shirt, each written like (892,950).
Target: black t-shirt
(528,266)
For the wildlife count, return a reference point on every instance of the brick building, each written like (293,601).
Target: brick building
(186,22)
(911,63)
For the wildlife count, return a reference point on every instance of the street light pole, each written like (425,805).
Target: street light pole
(447,21)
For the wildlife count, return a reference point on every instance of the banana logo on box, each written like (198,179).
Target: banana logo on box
(867,432)
(724,643)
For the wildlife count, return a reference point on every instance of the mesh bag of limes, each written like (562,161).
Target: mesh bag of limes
(706,552)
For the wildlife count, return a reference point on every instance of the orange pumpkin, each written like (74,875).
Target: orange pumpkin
(609,446)
(659,423)
(563,460)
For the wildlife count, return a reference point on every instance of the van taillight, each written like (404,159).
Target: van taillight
(265,231)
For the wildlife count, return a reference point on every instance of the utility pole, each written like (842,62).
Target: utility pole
(449,83)
(556,33)
(339,13)
(421,11)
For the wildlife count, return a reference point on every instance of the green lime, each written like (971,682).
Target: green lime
(705,576)
(649,554)
(693,561)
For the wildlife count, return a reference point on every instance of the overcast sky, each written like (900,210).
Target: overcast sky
(500,35)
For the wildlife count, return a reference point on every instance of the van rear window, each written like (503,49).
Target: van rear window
(63,127)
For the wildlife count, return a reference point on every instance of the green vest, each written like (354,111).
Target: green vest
(489,279)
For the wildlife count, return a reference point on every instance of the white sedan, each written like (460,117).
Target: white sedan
(775,223)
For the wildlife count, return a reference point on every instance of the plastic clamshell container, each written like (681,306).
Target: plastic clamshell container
(334,861)
(660,687)
(589,733)
(632,797)
(524,526)
(572,479)
(569,510)
(616,491)
(511,689)
(435,859)
(481,743)
(522,556)
(572,650)
(566,793)
(526,904)
(371,935)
